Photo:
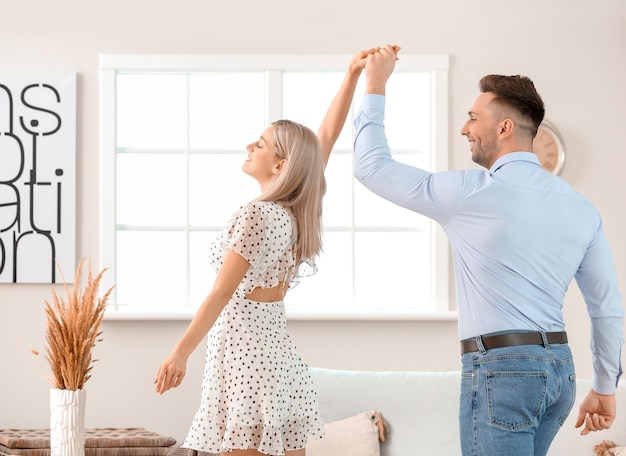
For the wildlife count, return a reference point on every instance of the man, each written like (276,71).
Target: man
(519,235)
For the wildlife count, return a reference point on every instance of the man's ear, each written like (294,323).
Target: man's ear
(506,127)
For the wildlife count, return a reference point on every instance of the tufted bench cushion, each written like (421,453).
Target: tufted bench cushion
(98,442)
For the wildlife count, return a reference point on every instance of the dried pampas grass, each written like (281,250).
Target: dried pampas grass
(73,328)
(606,448)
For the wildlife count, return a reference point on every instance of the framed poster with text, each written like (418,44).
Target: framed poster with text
(37,176)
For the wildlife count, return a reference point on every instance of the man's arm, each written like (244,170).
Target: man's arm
(434,195)
(597,280)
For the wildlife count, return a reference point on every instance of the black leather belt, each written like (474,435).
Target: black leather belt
(509,340)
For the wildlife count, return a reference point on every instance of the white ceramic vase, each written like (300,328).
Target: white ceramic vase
(67,422)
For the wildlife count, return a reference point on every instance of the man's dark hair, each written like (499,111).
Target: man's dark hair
(517,93)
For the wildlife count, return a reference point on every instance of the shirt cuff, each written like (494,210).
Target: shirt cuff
(604,386)
(373,101)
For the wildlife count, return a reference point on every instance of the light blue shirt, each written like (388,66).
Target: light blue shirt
(518,234)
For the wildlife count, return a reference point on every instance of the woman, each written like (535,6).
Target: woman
(257,396)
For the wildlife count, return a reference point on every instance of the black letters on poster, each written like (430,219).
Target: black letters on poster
(24,193)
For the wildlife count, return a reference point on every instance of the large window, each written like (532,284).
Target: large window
(174,130)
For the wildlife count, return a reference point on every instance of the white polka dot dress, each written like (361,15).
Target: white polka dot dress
(256,391)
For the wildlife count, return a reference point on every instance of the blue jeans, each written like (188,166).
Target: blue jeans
(515,399)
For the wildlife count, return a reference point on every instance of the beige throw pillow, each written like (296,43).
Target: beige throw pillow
(357,435)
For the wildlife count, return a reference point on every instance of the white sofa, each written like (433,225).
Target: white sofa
(421,409)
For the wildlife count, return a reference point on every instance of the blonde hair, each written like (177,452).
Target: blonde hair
(301,184)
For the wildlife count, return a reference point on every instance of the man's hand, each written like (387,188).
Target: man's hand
(596,412)
(379,67)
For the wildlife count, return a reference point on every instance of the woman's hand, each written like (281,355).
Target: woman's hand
(357,63)
(170,373)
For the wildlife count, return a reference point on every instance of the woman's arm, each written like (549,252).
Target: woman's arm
(335,117)
(172,370)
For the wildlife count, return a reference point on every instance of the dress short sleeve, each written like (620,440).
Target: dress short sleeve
(248,237)
(262,233)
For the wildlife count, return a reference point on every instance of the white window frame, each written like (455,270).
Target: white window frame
(111,64)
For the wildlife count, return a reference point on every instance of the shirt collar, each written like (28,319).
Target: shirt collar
(513,157)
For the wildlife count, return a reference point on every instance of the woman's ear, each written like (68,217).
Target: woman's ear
(278,167)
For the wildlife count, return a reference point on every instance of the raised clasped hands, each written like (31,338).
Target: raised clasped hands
(359,59)
(378,67)
(596,412)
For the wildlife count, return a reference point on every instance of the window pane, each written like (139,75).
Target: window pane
(179,138)
(201,273)
(373,211)
(392,270)
(338,199)
(306,97)
(217,187)
(151,270)
(151,189)
(331,287)
(408,111)
(226,110)
(152,111)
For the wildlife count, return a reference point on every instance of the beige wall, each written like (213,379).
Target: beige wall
(573,49)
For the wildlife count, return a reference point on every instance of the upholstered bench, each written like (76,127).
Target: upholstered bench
(98,442)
